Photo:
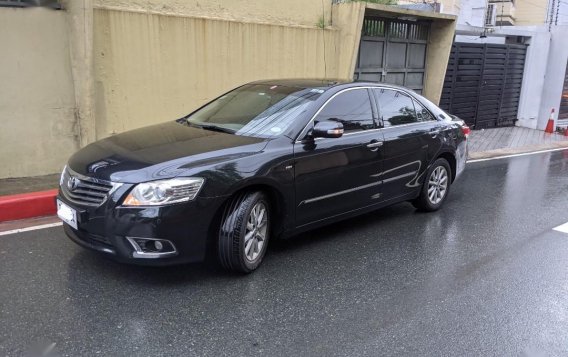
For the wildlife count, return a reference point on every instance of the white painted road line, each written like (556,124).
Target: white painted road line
(41,226)
(562,228)
(515,155)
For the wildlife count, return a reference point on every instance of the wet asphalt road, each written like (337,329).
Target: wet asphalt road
(485,276)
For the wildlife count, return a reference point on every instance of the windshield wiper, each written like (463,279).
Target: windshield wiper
(212,127)
(218,128)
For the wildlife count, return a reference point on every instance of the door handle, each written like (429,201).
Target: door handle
(434,132)
(374,145)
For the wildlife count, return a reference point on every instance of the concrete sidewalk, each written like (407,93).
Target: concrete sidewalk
(13,186)
(27,197)
(512,140)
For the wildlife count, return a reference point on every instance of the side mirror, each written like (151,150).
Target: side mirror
(327,129)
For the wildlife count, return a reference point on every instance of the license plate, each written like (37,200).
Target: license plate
(67,214)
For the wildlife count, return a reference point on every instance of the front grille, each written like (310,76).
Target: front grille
(86,191)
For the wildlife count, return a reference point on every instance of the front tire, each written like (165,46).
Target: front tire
(244,232)
(436,187)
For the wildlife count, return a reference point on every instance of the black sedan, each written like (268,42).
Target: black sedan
(268,159)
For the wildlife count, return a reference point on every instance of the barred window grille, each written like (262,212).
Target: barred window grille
(491,15)
(395,29)
(398,30)
(418,32)
(374,27)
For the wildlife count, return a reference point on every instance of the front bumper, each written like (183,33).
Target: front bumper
(107,229)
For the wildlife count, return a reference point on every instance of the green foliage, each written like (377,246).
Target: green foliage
(321,23)
(382,2)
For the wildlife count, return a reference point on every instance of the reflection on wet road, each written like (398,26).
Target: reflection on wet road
(486,275)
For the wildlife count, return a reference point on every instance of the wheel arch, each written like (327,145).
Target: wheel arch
(451,159)
(279,206)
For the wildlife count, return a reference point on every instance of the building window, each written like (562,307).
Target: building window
(54,4)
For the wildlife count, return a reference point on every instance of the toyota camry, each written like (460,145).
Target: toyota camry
(266,160)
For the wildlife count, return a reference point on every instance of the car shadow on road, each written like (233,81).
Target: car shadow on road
(87,266)
(341,229)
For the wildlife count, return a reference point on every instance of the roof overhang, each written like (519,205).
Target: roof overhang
(405,14)
(501,31)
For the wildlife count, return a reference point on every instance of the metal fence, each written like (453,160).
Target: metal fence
(483,83)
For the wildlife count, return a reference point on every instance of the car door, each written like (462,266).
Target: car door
(406,143)
(437,131)
(338,175)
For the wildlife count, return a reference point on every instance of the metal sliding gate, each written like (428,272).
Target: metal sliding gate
(483,83)
(393,51)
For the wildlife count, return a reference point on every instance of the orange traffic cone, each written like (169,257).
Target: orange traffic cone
(550,125)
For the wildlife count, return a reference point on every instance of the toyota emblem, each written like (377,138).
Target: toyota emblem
(72,183)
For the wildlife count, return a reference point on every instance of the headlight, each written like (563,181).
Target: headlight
(164,192)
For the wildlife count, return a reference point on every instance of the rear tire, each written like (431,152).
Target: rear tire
(244,232)
(436,187)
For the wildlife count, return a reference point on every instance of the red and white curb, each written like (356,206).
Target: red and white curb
(27,205)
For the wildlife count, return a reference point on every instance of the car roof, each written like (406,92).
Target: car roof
(326,83)
(303,83)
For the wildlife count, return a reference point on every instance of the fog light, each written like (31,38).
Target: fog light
(151,247)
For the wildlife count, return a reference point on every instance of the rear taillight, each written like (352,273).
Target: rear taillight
(466,130)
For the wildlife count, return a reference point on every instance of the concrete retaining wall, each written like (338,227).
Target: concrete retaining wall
(153,67)
(37,103)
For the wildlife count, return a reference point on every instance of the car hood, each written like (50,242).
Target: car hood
(160,151)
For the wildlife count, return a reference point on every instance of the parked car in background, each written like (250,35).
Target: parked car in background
(268,159)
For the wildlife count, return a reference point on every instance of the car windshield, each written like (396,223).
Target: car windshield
(260,110)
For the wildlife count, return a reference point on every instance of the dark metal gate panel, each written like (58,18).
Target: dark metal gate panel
(515,67)
(460,93)
(483,83)
(393,52)
(492,82)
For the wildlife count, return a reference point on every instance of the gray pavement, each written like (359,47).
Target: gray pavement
(485,276)
(11,186)
(496,142)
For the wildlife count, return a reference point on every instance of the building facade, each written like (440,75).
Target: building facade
(519,12)
(101,67)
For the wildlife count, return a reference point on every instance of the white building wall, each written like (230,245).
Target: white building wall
(554,77)
(37,98)
(472,13)
(534,81)
(475,38)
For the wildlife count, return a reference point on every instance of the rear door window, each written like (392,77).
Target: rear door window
(422,113)
(395,107)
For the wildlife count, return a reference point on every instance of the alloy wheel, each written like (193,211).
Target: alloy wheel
(255,235)
(437,185)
